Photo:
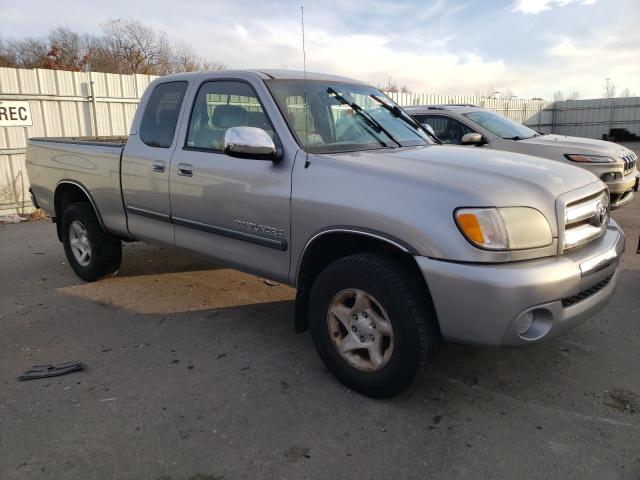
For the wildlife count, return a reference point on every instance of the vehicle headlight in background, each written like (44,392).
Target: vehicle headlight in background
(508,228)
(589,158)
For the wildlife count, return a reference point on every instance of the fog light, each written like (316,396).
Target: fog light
(608,177)
(524,323)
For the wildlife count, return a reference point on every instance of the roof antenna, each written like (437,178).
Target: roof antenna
(306,113)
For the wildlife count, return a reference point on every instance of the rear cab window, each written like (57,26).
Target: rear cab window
(160,118)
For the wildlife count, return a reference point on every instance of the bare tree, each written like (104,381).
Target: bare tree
(136,47)
(507,95)
(185,60)
(99,58)
(67,50)
(6,59)
(575,95)
(390,86)
(212,66)
(625,93)
(490,92)
(126,46)
(609,89)
(558,96)
(29,53)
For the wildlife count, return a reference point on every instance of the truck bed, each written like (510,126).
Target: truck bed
(90,163)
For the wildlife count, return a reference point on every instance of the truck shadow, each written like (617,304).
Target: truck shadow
(142,259)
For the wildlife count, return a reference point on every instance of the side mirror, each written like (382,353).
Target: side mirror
(429,129)
(473,139)
(250,142)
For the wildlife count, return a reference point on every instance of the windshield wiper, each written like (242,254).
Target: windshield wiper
(366,116)
(399,113)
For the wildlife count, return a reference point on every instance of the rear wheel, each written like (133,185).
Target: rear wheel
(92,253)
(372,323)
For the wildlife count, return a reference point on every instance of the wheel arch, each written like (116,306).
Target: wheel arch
(330,244)
(68,192)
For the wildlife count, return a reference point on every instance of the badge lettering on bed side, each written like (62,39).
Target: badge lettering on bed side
(259,228)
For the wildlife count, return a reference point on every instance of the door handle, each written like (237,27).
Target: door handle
(185,169)
(157,166)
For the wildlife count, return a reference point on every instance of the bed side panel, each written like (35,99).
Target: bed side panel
(95,167)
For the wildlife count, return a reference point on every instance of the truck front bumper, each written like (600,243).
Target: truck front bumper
(492,304)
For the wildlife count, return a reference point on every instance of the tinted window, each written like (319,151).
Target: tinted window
(447,129)
(222,105)
(161,115)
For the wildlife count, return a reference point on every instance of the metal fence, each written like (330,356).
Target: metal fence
(83,104)
(598,118)
(519,110)
(62,104)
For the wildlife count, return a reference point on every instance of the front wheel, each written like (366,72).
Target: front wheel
(92,253)
(372,323)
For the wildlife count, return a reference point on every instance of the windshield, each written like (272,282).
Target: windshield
(339,117)
(501,126)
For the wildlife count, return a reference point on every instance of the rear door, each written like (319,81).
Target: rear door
(145,163)
(233,209)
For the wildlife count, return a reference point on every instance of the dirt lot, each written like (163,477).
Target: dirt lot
(194,372)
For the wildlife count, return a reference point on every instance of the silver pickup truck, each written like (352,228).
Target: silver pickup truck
(323,183)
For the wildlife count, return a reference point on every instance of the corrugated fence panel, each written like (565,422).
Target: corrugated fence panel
(28,80)
(597,118)
(61,105)
(520,110)
(9,80)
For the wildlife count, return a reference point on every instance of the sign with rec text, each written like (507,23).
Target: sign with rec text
(15,113)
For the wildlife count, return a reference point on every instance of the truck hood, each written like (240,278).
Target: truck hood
(493,177)
(578,145)
(413,192)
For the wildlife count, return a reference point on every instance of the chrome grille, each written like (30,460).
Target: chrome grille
(586,220)
(630,161)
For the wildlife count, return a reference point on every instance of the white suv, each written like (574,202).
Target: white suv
(470,125)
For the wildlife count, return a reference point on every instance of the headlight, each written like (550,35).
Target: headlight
(509,228)
(589,158)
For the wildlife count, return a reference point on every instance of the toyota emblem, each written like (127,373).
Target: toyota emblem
(600,218)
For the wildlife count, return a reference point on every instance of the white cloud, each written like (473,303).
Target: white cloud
(241,31)
(431,49)
(536,6)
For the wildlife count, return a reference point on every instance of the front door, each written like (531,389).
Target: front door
(232,209)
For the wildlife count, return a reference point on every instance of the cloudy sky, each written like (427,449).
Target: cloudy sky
(532,47)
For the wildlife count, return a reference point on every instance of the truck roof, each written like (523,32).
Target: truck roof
(266,74)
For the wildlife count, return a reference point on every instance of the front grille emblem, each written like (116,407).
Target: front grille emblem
(600,217)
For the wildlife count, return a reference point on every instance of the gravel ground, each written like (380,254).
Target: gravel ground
(194,372)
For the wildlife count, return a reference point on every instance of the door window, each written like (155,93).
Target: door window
(221,105)
(447,129)
(161,114)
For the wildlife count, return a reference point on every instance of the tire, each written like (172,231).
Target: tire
(105,251)
(396,296)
